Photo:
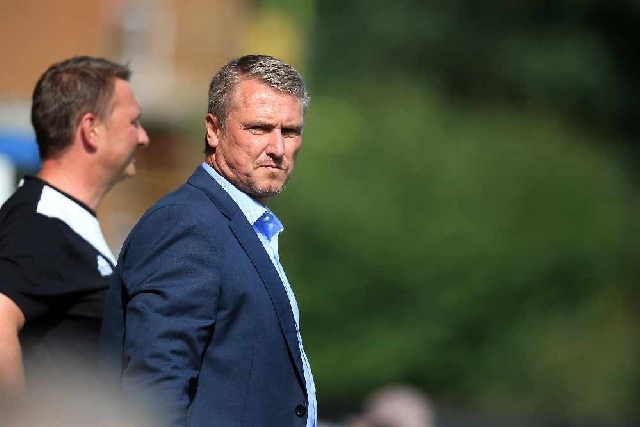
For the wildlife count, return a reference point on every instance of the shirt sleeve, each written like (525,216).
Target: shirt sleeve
(33,271)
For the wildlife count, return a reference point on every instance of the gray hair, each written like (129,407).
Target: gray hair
(271,71)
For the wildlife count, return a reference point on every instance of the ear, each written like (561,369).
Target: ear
(89,130)
(213,130)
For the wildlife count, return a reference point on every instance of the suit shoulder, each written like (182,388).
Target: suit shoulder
(185,199)
(183,208)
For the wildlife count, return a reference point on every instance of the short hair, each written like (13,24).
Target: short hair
(271,71)
(65,92)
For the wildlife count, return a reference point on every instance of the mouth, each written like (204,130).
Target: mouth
(271,167)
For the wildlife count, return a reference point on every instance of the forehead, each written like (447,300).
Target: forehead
(123,96)
(255,97)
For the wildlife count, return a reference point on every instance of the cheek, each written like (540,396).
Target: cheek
(254,151)
(240,158)
(240,147)
(133,134)
(295,149)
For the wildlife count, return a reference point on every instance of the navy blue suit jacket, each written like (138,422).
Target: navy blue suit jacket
(197,317)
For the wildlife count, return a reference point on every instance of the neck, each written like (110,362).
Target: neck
(260,199)
(74,180)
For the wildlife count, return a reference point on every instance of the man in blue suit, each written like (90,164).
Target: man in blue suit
(201,321)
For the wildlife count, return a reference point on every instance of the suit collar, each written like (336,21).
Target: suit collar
(246,236)
(251,209)
(205,182)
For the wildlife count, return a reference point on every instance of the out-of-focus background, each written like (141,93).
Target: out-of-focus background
(465,214)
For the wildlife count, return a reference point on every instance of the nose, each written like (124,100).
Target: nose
(276,144)
(143,138)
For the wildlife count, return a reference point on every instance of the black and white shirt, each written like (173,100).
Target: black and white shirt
(55,265)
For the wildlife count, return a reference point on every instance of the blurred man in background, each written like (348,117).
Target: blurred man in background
(55,265)
(200,315)
(396,406)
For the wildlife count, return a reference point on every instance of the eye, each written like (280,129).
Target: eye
(259,129)
(291,132)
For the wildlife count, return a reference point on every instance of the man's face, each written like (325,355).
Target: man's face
(123,132)
(263,134)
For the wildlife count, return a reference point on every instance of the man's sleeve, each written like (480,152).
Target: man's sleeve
(31,271)
(169,268)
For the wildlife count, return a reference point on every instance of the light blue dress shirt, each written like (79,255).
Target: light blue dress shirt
(255,212)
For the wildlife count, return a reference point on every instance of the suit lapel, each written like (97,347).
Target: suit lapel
(249,241)
(253,247)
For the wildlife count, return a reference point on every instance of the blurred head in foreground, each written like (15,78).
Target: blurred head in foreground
(69,403)
(396,406)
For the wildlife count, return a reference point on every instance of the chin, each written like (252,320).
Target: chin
(273,190)
(130,170)
(264,190)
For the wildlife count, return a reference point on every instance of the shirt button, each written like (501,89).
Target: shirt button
(301,410)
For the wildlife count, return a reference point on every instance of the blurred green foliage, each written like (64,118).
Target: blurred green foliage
(464,217)
(486,256)
(577,58)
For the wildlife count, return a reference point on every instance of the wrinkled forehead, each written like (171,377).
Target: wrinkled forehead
(252,92)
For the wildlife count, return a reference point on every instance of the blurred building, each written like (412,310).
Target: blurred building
(173,46)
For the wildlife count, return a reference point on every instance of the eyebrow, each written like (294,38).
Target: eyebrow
(260,123)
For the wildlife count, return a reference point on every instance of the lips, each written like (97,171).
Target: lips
(271,166)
